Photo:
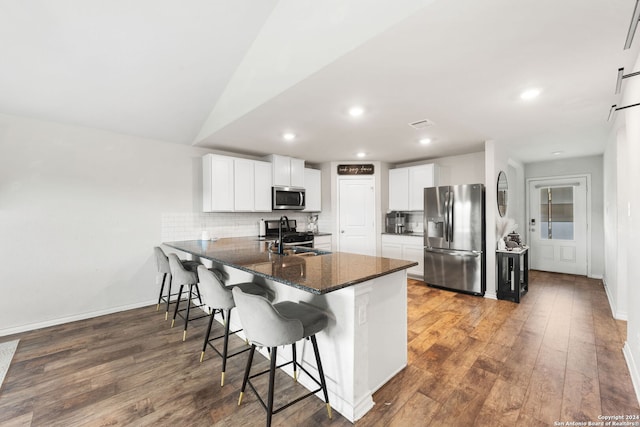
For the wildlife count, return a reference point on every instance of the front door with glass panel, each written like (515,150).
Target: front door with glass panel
(557,220)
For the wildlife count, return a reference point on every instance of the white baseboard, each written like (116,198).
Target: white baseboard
(633,369)
(617,314)
(83,316)
(490,295)
(595,276)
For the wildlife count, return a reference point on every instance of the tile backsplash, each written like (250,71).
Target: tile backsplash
(190,225)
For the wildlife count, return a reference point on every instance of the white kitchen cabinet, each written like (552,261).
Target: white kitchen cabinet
(233,184)
(217,183)
(322,242)
(296,172)
(287,171)
(413,252)
(313,187)
(406,186)
(391,250)
(405,247)
(262,179)
(420,177)
(244,185)
(399,189)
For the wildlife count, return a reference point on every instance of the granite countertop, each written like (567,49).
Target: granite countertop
(316,274)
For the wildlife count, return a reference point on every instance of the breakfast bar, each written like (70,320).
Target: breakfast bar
(365,343)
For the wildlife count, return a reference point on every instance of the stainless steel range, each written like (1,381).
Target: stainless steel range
(290,236)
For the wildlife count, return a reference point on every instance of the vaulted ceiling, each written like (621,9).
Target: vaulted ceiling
(235,75)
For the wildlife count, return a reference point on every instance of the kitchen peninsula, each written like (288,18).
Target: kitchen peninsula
(365,344)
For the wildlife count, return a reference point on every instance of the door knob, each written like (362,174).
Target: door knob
(342,231)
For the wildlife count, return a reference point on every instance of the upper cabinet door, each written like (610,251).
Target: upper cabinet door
(281,170)
(406,186)
(313,187)
(296,172)
(399,189)
(287,171)
(244,183)
(420,177)
(262,187)
(217,184)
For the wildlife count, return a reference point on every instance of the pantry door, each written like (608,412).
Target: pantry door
(356,206)
(558,226)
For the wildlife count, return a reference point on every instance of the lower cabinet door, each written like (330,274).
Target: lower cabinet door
(392,250)
(414,253)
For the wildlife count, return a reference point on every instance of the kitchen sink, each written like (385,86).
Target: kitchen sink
(300,251)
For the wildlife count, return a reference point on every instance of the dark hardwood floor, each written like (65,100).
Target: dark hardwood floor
(472,361)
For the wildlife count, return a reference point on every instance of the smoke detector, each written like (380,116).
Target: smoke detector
(421,124)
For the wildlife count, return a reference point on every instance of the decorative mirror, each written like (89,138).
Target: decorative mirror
(503,188)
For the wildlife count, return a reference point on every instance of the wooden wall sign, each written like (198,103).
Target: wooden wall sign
(366,169)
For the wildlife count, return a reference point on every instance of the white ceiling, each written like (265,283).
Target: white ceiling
(235,75)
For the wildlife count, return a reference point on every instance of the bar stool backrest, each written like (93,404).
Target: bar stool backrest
(180,275)
(262,324)
(213,291)
(162,262)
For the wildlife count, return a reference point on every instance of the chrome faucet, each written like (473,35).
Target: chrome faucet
(286,223)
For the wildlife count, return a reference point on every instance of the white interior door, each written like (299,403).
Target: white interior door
(558,225)
(356,206)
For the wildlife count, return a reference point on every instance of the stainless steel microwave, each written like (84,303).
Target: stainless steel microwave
(287,198)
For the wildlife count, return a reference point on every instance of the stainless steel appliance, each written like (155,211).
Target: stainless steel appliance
(396,222)
(454,238)
(290,237)
(287,198)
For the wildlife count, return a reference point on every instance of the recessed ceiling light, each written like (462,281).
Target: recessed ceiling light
(557,153)
(289,136)
(530,94)
(356,111)
(361,154)
(425,141)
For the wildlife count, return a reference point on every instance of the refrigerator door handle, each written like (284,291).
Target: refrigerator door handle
(446,217)
(454,253)
(450,222)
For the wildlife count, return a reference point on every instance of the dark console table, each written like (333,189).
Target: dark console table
(513,274)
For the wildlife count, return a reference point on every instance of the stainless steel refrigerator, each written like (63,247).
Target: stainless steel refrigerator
(454,238)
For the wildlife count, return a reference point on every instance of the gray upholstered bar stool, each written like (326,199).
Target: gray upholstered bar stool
(219,299)
(270,325)
(183,277)
(162,263)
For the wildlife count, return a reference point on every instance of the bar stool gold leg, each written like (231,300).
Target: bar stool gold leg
(201,357)
(329,411)
(222,380)
(240,398)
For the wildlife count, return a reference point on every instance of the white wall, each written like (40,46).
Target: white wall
(498,157)
(628,203)
(592,165)
(80,211)
(615,220)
